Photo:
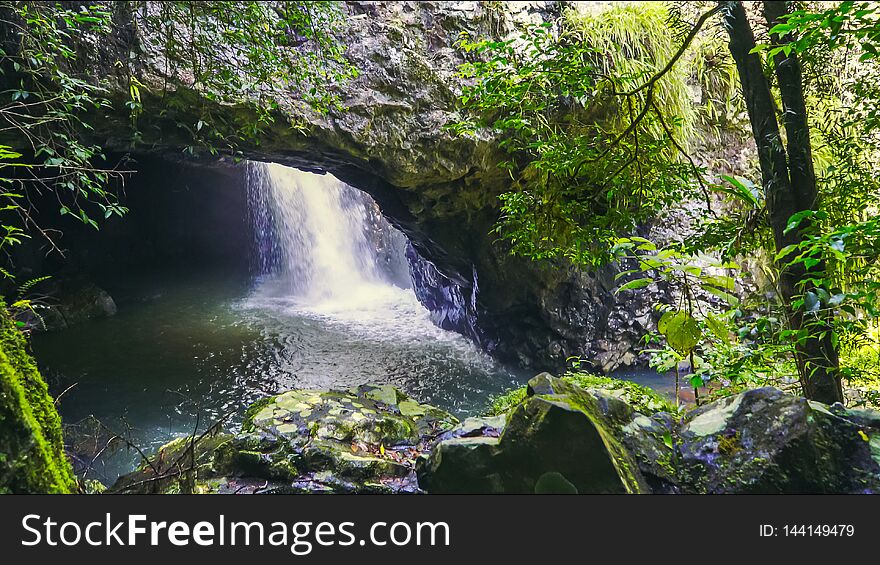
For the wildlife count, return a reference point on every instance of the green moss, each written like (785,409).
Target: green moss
(641,398)
(504,402)
(30,428)
(729,445)
(254,409)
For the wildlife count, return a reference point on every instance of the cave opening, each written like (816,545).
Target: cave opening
(234,281)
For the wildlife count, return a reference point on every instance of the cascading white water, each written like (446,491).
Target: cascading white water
(321,242)
(325,251)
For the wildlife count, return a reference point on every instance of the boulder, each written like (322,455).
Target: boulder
(365,439)
(564,438)
(560,438)
(184,465)
(72,302)
(766,441)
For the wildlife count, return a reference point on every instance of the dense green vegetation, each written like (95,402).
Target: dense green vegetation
(751,131)
(602,142)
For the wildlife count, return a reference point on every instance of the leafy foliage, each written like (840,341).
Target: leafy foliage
(251,53)
(45,106)
(593,141)
(691,323)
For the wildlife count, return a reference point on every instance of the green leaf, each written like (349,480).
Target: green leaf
(795,220)
(682,333)
(718,328)
(663,323)
(785,251)
(638,283)
(721,281)
(725,296)
(742,189)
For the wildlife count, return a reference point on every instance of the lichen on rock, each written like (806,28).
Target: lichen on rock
(766,441)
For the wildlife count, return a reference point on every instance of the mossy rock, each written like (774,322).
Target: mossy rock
(365,439)
(358,440)
(640,398)
(558,435)
(373,416)
(766,441)
(345,464)
(32,458)
(464,465)
(183,465)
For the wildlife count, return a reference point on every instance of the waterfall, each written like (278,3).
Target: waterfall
(320,241)
(324,250)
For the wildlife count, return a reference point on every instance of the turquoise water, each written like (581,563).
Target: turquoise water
(334,309)
(187,351)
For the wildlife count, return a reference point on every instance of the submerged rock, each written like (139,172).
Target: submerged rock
(365,439)
(73,302)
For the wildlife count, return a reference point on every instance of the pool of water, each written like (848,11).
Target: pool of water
(334,308)
(186,351)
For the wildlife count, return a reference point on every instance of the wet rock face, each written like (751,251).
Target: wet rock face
(362,440)
(452,307)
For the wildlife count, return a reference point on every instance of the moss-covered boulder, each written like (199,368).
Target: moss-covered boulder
(365,439)
(560,438)
(368,415)
(766,441)
(32,458)
(641,398)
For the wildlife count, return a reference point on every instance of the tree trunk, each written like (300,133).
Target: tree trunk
(789,187)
